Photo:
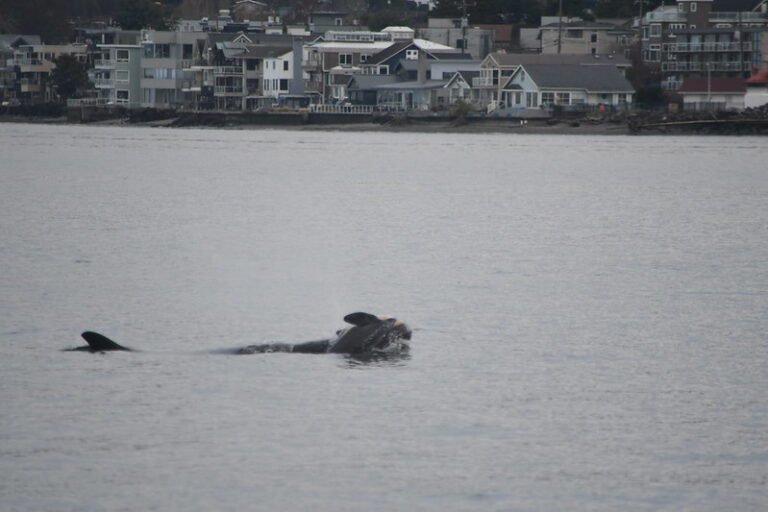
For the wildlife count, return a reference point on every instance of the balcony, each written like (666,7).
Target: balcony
(664,17)
(228,71)
(706,66)
(104,64)
(312,86)
(744,46)
(738,17)
(104,83)
(228,90)
(484,81)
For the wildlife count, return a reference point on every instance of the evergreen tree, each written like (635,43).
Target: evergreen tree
(69,77)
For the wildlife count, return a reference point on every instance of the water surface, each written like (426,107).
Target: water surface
(589,313)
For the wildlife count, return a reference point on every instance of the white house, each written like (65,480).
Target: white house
(545,85)
(713,93)
(757,90)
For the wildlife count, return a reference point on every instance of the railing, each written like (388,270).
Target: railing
(87,102)
(341,109)
(27,62)
(104,63)
(483,81)
(736,17)
(227,89)
(104,83)
(704,66)
(228,70)
(669,17)
(744,46)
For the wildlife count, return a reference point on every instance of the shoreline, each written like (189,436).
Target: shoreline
(472,127)
(583,127)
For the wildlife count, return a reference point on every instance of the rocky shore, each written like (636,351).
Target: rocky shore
(751,121)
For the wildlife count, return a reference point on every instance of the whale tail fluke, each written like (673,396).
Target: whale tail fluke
(99,343)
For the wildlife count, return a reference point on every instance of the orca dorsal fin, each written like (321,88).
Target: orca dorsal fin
(361,319)
(99,343)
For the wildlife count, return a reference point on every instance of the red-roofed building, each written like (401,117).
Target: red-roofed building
(713,93)
(757,89)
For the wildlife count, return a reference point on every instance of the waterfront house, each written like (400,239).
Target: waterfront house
(497,67)
(566,85)
(459,87)
(712,93)
(363,89)
(756,94)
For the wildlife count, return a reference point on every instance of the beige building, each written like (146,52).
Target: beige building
(34,64)
(584,38)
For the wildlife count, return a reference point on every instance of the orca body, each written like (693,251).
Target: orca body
(369,336)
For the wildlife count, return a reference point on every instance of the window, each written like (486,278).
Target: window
(283,84)
(461,44)
(122,96)
(383,70)
(149,73)
(162,51)
(693,6)
(593,37)
(285,65)
(122,55)
(547,98)
(364,58)
(574,34)
(186,51)
(338,22)
(345,59)
(680,7)
(656,30)
(622,99)
(252,65)
(563,98)
(411,54)
(121,75)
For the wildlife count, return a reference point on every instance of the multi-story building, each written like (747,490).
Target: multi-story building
(579,37)
(33,65)
(340,53)
(9,43)
(166,64)
(456,33)
(118,73)
(696,38)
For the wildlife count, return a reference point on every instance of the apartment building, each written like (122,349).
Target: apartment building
(697,38)
(117,74)
(33,64)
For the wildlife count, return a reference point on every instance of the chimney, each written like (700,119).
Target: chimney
(421,73)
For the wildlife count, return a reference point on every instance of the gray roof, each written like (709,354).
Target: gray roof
(517,59)
(574,76)
(265,52)
(6,40)
(362,82)
(428,84)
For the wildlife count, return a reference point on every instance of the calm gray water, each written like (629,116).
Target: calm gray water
(589,314)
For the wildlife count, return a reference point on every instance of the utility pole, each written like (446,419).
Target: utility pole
(463,26)
(560,28)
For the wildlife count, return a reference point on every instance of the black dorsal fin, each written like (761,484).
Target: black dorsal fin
(98,342)
(361,319)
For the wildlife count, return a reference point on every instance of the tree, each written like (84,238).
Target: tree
(139,14)
(69,77)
